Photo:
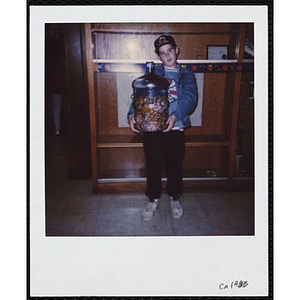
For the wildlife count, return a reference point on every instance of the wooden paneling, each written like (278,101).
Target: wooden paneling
(125,46)
(213,99)
(77,104)
(228,103)
(92,106)
(107,106)
(163,28)
(235,105)
(131,162)
(210,147)
(127,27)
(134,46)
(246,124)
(121,159)
(202,158)
(199,27)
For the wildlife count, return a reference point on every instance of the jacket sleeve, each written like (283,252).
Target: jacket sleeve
(131,109)
(188,95)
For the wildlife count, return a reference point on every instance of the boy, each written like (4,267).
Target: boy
(168,146)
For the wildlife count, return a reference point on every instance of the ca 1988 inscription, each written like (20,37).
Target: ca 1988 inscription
(234,284)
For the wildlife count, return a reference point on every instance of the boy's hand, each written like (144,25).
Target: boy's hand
(171,121)
(131,123)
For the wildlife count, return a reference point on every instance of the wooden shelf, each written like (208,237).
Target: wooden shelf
(211,140)
(143,31)
(139,175)
(129,184)
(120,141)
(136,141)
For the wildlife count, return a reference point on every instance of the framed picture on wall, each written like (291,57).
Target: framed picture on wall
(217,52)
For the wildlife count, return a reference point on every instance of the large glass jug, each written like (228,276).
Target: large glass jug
(151,105)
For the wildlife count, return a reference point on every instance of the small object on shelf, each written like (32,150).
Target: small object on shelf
(151,105)
(213,173)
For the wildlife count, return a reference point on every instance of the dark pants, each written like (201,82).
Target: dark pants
(160,148)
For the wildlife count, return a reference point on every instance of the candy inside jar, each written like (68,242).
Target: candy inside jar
(151,105)
(151,113)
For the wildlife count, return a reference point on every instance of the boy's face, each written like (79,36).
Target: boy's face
(168,55)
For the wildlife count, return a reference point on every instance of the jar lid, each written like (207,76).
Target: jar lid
(151,81)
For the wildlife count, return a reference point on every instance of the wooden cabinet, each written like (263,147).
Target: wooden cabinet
(115,50)
(245,130)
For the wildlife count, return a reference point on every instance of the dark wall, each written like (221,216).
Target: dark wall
(75,103)
(78,126)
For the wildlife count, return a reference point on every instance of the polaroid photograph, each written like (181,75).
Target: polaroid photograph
(148,151)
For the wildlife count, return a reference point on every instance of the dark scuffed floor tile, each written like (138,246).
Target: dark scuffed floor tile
(160,225)
(114,223)
(248,216)
(190,201)
(82,205)
(246,199)
(219,201)
(72,189)
(114,234)
(192,223)
(51,224)
(76,224)
(55,206)
(116,203)
(228,222)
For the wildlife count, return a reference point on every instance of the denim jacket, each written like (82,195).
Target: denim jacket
(187,94)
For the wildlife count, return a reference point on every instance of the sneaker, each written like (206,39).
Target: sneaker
(149,210)
(177,211)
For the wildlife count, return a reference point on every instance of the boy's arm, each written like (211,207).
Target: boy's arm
(131,119)
(189,97)
(130,111)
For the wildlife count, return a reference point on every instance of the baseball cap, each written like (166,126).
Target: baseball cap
(163,40)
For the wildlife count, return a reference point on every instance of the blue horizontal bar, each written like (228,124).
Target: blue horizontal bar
(196,68)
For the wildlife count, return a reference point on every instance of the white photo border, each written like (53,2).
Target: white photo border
(112,266)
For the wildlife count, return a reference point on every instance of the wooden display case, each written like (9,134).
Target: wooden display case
(118,161)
